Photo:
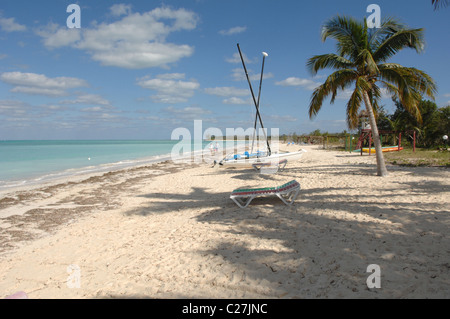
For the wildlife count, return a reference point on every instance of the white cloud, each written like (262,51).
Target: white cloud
(233,30)
(347,93)
(344,95)
(447,95)
(187,110)
(237,101)
(88,99)
(226,91)
(135,41)
(13,108)
(55,37)
(238,74)
(187,113)
(233,95)
(293,81)
(169,87)
(9,25)
(92,109)
(236,58)
(54,107)
(32,83)
(39,91)
(281,118)
(120,9)
(171,76)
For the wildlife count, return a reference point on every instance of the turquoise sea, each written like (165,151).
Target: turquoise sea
(27,162)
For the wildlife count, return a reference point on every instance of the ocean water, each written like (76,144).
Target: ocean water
(28,162)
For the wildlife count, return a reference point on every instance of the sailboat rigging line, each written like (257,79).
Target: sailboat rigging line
(254,100)
(259,95)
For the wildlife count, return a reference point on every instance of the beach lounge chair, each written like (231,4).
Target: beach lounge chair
(279,166)
(286,192)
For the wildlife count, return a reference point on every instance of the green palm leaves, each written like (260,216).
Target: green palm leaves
(360,63)
(440,3)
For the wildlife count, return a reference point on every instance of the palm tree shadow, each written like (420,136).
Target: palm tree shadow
(307,247)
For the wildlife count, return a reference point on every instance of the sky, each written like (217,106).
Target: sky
(141,69)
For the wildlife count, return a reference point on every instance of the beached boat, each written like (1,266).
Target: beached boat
(384,149)
(259,159)
(247,160)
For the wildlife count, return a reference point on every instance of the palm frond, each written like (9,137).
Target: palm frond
(398,40)
(390,88)
(423,82)
(367,63)
(340,80)
(388,27)
(360,60)
(336,81)
(319,94)
(409,85)
(440,3)
(353,105)
(412,78)
(324,61)
(348,32)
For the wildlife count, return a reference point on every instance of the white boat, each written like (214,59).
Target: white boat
(246,160)
(259,159)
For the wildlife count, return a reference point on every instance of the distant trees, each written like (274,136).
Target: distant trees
(434,125)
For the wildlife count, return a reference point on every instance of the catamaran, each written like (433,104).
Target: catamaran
(259,158)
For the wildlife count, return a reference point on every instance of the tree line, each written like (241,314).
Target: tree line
(430,128)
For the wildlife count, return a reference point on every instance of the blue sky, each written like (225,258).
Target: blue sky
(140,69)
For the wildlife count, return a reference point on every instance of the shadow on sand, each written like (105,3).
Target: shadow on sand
(324,242)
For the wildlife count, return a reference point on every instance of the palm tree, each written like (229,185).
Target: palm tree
(361,61)
(438,3)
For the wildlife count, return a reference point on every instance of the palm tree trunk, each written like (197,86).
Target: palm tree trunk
(381,165)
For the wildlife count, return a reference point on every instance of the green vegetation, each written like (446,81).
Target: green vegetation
(421,157)
(435,123)
(361,63)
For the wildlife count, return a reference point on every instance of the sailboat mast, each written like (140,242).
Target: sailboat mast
(259,95)
(258,115)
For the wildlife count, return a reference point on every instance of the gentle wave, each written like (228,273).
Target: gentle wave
(104,168)
(74,172)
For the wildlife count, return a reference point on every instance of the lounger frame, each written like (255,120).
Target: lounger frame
(278,166)
(287,193)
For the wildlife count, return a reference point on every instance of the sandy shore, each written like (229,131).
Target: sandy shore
(170,231)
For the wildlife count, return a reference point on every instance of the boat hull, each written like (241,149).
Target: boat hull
(272,159)
(384,149)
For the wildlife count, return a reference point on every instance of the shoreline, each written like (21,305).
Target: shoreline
(75,174)
(169,230)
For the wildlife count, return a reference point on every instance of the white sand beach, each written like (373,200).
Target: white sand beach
(171,231)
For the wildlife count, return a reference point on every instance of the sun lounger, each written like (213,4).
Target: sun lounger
(279,166)
(286,192)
